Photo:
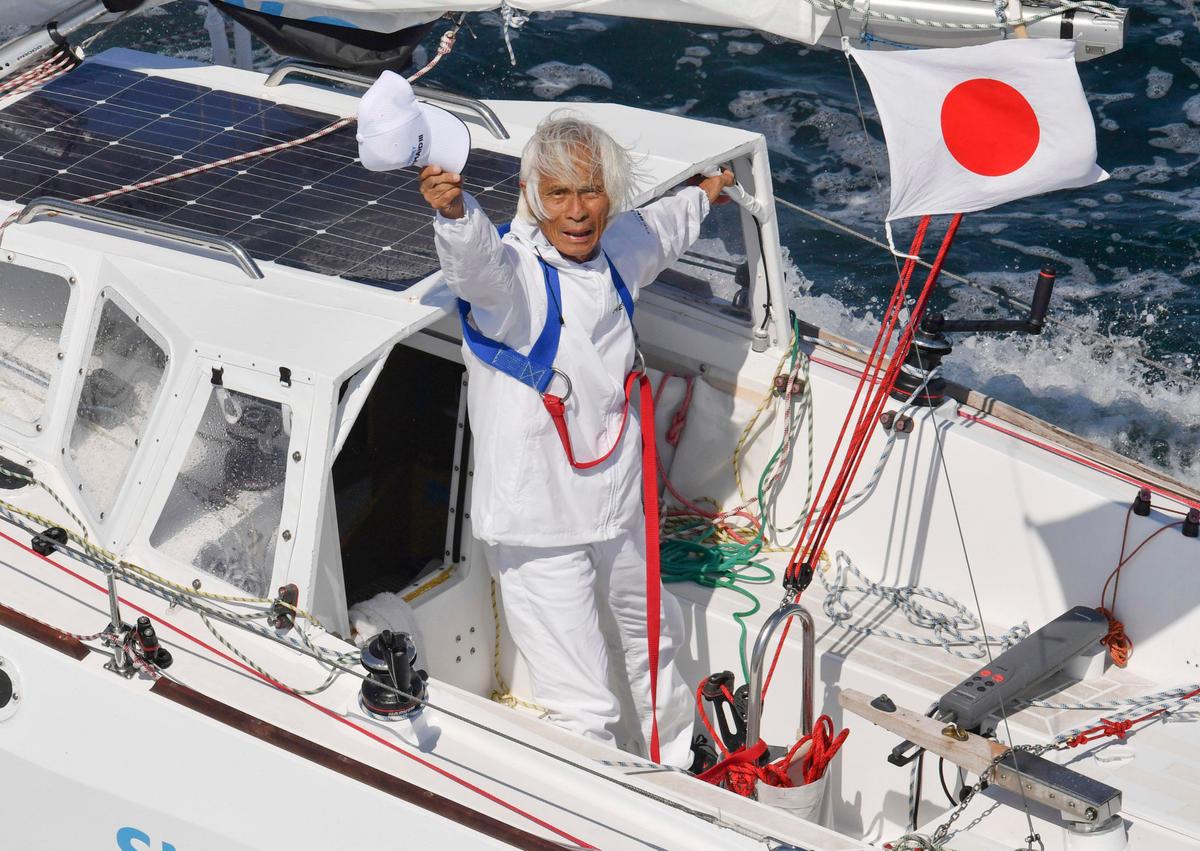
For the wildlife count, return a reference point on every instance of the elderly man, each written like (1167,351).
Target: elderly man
(566,543)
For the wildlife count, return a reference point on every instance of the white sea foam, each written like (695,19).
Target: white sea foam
(1180,138)
(1158,83)
(556,78)
(588,25)
(1191,108)
(1085,379)
(744,48)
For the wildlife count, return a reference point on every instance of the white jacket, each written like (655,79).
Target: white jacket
(525,491)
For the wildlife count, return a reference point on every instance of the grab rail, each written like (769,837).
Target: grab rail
(167,235)
(754,704)
(489,118)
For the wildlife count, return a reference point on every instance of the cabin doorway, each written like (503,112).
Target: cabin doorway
(393,478)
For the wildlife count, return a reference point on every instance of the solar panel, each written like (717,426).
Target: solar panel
(313,207)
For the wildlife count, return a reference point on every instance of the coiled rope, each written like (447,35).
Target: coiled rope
(959,633)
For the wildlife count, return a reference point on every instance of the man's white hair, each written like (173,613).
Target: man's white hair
(562,141)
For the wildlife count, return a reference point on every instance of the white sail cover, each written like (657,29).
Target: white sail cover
(794,19)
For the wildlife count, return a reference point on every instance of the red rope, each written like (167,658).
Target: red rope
(1120,646)
(740,772)
(809,546)
(1119,729)
(318,707)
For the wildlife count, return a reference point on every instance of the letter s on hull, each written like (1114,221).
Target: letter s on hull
(126,836)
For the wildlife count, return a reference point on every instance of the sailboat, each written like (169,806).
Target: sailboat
(241,606)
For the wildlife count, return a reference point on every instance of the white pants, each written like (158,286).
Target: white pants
(555,600)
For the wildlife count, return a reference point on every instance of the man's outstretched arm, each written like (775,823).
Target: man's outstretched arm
(657,234)
(476,265)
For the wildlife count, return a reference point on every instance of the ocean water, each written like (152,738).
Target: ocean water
(1123,364)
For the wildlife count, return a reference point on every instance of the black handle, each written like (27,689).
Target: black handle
(1041,299)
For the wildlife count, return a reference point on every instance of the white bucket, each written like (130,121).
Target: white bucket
(806,802)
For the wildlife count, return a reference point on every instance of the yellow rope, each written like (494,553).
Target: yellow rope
(502,694)
(111,559)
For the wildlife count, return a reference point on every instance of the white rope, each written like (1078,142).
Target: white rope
(962,629)
(512,20)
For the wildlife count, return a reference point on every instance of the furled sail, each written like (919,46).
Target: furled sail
(794,19)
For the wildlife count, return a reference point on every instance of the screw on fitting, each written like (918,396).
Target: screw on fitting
(1191,524)
(1141,503)
(886,419)
(904,424)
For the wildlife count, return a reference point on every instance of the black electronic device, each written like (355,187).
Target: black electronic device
(1011,674)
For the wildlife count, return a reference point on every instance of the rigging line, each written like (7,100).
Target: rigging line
(995,293)
(340,665)
(937,436)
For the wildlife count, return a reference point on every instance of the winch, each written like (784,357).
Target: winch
(394,689)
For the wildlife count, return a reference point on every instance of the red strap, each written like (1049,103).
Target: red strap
(558,413)
(653,571)
(557,410)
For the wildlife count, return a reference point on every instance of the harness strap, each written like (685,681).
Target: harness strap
(535,369)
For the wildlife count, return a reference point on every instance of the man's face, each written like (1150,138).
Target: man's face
(576,212)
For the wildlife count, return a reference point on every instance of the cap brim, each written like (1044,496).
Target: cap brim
(450,144)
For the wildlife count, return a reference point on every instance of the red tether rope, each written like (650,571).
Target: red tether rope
(1119,728)
(466,784)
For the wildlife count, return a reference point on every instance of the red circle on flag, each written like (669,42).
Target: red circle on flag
(989,127)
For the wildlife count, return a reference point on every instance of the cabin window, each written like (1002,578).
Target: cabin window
(33,305)
(122,377)
(224,510)
(715,271)
(393,480)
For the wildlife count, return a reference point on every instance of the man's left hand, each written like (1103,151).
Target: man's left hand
(712,186)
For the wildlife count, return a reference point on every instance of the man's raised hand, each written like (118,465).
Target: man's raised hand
(443,191)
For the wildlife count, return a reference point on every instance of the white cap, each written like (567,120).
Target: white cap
(396,131)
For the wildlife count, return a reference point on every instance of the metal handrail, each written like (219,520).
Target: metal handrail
(168,235)
(754,704)
(490,120)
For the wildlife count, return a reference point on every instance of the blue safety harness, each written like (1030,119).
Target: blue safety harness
(535,369)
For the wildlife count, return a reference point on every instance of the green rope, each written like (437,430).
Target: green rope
(689,555)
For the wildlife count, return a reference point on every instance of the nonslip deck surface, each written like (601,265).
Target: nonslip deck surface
(313,207)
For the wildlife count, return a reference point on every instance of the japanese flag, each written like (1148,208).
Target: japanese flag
(968,128)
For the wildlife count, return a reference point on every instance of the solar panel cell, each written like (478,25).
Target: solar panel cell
(314,207)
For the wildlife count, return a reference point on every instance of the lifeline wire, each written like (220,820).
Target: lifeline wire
(337,661)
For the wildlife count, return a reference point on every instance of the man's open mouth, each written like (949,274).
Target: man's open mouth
(578,235)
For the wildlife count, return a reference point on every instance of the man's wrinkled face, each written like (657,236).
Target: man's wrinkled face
(576,211)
